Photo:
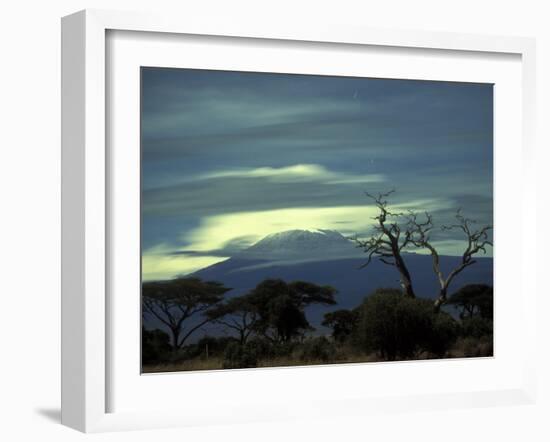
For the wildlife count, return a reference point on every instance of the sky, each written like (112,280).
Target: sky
(230,157)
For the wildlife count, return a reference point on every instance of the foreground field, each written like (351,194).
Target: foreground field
(463,348)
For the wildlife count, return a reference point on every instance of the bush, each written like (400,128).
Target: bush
(214,346)
(155,346)
(474,300)
(476,327)
(262,348)
(240,356)
(342,322)
(445,331)
(469,347)
(399,327)
(317,349)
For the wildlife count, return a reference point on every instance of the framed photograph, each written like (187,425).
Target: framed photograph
(264,243)
(250,212)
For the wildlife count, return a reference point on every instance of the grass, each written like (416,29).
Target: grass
(198,364)
(216,363)
(463,348)
(194,364)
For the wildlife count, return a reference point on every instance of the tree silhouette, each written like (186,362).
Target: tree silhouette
(155,344)
(400,327)
(389,239)
(280,306)
(477,241)
(474,300)
(175,303)
(239,314)
(342,323)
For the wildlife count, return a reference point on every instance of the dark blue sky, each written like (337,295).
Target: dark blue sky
(228,157)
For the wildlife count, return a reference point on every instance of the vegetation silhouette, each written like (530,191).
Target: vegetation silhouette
(176,302)
(397,232)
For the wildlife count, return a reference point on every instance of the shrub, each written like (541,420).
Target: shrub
(317,349)
(214,346)
(240,356)
(342,322)
(182,354)
(400,327)
(474,347)
(262,348)
(155,346)
(473,300)
(476,327)
(445,331)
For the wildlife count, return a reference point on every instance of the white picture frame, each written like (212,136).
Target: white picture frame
(86,204)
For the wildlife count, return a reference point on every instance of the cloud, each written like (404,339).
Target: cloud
(255,189)
(159,263)
(295,173)
(214,232)
(205,113)
(195,102)
(230,248)
(452,247)
(219,237)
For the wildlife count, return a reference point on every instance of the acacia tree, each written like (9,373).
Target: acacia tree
(239,314)
(474,300)
(477,240)
(389,239)
(280,306)
(342,322)
(181,304)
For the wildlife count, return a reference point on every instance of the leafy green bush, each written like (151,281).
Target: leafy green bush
(400,327)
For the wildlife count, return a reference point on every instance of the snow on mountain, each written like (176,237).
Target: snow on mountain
(301,246)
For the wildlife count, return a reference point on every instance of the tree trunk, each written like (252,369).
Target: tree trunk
(405,276)
(175,338)
(408,288)
(441,299)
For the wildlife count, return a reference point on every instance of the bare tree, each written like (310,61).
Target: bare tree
(389,239)
(477,241)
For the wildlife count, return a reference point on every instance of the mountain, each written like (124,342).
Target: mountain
(301,245)
(326,257)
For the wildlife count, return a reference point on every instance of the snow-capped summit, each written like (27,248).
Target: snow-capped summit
(292,239)
(302,245)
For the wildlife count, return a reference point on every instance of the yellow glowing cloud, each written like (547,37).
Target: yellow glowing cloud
(158,263)
(215,232)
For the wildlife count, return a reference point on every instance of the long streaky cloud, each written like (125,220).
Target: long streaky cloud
(295,173)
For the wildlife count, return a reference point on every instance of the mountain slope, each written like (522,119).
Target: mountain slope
(352,283)
(326,257)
